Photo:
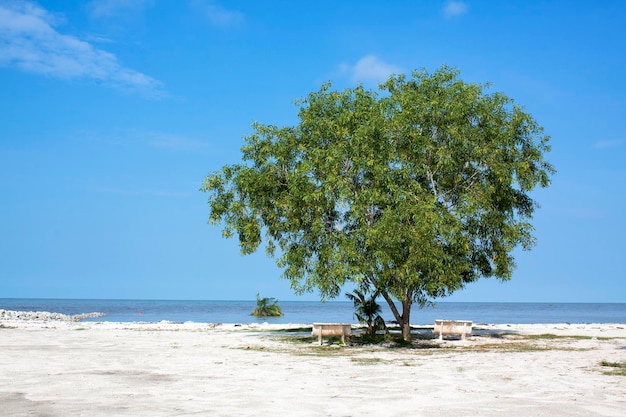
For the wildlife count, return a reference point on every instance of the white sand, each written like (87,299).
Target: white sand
(118,369)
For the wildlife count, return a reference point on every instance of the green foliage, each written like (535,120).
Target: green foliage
(266,307)
(414,192)
(367,311)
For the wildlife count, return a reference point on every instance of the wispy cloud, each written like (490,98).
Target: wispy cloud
(113,8)
(608,144)
(455,8)
(29,41)
(217,15)
(586,213)
(174,142)
(369,69)
(147,139)
(135,191)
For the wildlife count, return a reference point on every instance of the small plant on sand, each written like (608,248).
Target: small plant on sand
(367,311)
(266,307)
(617,368)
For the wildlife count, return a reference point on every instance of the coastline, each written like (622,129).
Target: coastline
(63,367)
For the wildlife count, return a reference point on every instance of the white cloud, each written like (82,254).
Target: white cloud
(608,144)
(112,8)
(369,69)
(455,8)
(217,15)
(30,42)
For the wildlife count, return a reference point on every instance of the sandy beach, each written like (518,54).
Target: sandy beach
(60,368)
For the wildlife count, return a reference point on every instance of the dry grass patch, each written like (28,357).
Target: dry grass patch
(550,336)
(301,343)
(367,361)
(510,347)
(510,342)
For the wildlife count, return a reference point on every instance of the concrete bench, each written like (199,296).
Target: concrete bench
(456,327)
(331,329)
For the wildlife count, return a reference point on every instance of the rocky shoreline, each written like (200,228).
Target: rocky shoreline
(44,316)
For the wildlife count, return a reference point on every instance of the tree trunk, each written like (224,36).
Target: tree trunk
(406,320)
(402,319)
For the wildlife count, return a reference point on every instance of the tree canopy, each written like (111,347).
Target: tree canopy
(413,190)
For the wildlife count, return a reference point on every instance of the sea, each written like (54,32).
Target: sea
(306,312)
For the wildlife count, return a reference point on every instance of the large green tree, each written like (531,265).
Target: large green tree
(414,190)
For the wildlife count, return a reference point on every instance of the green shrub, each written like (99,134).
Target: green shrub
(266,307)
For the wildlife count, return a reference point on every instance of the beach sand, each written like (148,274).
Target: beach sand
(193,369)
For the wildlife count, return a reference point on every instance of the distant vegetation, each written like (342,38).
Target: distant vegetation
(266,307)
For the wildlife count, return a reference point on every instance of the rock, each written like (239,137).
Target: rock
(44,316)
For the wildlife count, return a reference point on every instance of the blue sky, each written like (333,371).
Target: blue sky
(113,112)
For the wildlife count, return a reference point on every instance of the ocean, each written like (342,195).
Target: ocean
(307,312)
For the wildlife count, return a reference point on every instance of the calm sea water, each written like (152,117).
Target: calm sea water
(309,312)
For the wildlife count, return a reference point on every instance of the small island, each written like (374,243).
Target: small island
(266,307)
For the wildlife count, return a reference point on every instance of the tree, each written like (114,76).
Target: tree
(266,307)
(415,191)
(367,310)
